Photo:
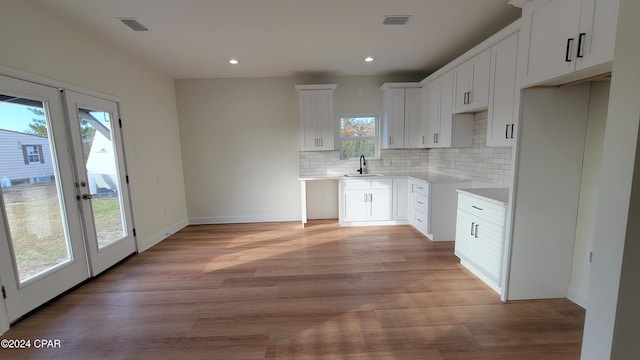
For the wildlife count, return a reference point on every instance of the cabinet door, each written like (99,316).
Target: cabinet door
(443,138)
(503,112)
(551,27)
(400,199)
(598,24)
(490,242)
(394,119)
(379,205)
(355,205)
(462,81)
(324,119)
(308,131)
(465,240)
(479,76)
(412,134)
(433,112)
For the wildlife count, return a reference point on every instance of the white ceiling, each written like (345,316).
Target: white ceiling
(196,38)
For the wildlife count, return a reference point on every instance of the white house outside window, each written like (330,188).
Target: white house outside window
(359,136)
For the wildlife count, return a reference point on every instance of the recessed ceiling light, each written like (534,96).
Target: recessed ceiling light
(368,59)
(233,61)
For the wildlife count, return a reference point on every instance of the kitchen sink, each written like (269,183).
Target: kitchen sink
(363,175)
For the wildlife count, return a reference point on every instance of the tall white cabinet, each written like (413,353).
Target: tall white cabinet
(401,115)
(317,121)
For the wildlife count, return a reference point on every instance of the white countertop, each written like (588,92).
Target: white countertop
(498,196)
(433,178)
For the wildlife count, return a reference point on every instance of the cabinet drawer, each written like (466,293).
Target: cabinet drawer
(367,184)
(482,209)
(421,203)
(419,187)
(420,222)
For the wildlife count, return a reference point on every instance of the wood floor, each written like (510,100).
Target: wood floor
(256,291)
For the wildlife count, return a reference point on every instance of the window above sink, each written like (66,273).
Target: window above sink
(359,135)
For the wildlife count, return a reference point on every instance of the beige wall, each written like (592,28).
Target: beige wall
(240,149)
(35,42)
(240,143)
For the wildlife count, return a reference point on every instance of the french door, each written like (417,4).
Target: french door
(101,181)
(64,207)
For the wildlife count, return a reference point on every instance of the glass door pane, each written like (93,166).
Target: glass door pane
(31,192)
(41,241)
(102,172)
(102,185)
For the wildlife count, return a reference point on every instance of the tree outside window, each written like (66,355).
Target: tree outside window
(358,136)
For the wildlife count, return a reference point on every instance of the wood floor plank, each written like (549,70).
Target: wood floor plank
(283,291)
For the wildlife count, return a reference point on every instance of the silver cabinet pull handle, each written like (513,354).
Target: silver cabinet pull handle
(472,227)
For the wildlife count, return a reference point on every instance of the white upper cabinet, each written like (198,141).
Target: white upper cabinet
(401,109)
(560,37)
(503,103)
(412,125)
(431,112)
(598,23)
(316,117)
(471,81)
(442,128)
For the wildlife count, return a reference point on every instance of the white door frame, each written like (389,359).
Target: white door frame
(42,80)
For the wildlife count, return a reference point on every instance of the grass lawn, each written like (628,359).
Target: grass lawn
(37,230)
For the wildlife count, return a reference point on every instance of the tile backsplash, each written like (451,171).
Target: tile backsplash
(313,163)
(488,166)
(482,164)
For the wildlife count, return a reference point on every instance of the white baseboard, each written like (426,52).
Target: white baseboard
(578,296)
(374,223)
(242,219)
(145,244)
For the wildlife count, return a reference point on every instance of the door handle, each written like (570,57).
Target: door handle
(581,37)
(506,132)
(472,227)
(476,235)
(567,54)
(512,125)
(86,197)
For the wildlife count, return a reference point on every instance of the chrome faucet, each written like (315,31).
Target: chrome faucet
(363,162)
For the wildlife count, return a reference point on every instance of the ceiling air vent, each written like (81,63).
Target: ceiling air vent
(395,20)
(134,24)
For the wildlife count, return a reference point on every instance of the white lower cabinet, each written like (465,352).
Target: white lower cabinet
(365,200)
(480,237)
(419,205)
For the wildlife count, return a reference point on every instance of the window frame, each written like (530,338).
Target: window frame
(27,155)
(376,138)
